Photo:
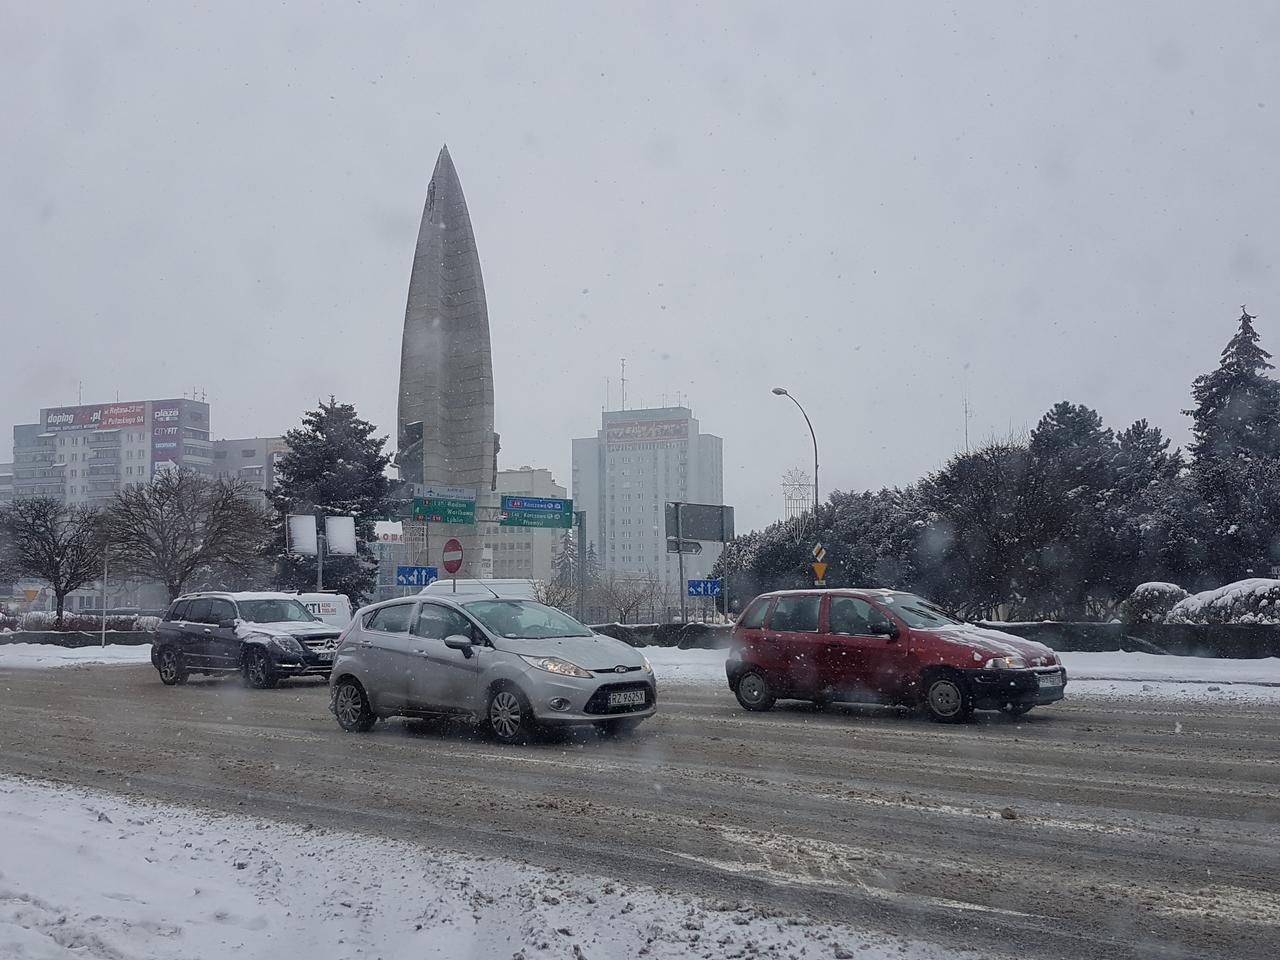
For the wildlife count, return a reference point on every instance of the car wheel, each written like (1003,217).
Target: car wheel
(618,727)
(257,669)
(508,715)
(753,691)
(173,670)
(947,698)
(351,707)
(1016,709)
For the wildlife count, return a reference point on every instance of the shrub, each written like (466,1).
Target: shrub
(1151,602)
(1256,600)
(79,622)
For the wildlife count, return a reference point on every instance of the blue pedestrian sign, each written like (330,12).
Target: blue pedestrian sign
(416,576)
(704,588)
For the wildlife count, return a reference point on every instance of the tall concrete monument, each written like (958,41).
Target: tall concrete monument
(445,422)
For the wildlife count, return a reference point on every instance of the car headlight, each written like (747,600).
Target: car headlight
(286,644)
(555,665)
(1005,663)
(648,667)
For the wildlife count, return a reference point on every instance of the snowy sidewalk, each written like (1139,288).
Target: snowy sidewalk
(49,655)
(84,874)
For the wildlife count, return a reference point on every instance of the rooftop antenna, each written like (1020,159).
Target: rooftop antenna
(79,392)
(624,383)
(968,413)
(607,385)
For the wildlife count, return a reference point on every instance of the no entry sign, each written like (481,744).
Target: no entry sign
(452,557)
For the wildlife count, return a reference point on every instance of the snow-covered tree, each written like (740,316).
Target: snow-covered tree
(335,466)
(42,537)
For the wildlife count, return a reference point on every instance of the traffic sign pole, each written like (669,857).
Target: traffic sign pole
(680,556)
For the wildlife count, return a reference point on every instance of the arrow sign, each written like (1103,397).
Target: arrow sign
(704,588)
(416,576)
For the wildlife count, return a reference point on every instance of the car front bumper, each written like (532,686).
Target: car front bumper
(557,700)
(992,689)
(312,663)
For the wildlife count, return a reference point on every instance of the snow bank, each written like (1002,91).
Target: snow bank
(48,655)
(85,874)
(1256,600)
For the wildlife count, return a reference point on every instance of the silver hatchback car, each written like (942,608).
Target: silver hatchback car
(512,664)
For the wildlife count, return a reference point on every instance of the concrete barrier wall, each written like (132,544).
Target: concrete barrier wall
(1244,641)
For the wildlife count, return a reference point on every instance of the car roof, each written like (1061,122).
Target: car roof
(837,591)
(238,595)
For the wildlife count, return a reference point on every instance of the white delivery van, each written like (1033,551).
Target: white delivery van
(333,608)
(505,589)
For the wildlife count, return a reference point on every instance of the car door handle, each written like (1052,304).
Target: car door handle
(208,629)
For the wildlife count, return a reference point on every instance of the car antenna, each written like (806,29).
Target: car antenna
(495,593)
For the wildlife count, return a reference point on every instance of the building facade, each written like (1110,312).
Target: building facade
(88,453)
(251,460)
(624,476)
(524,552)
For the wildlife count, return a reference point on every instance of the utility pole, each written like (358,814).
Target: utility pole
(580,521)
(684,587)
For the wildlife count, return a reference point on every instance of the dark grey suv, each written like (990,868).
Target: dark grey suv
(262,636)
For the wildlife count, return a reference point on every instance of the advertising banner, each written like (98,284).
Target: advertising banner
(166,435)
(119,416)
(72,418)
(646,431)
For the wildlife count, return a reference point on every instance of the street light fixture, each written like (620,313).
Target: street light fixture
(782,392)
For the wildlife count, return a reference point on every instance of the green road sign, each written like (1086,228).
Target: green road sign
(536,512)
(441,510)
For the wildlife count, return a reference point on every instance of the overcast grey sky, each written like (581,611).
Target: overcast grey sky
(871,205)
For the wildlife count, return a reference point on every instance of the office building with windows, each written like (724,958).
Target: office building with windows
(624,476)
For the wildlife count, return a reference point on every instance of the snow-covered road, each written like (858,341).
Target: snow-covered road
(84,874)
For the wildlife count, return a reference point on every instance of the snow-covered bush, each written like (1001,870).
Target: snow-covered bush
(1151,602)
(73,622)
(1256,600)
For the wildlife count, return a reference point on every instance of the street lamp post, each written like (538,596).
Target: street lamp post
(782,392)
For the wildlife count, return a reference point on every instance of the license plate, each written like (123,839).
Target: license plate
(1051,680)
(627,698)
(325,657)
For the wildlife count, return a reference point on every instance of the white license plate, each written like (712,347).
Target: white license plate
(1051,680)
(627,698)
(325,657)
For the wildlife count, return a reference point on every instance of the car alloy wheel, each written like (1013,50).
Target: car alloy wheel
(351,707)
(257,670)
(506,715)
(171,671)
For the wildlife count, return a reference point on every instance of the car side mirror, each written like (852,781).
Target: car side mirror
(458,641)
(885,628)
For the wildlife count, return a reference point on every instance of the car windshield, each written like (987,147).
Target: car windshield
(274,611)
(916,613)
(525,620)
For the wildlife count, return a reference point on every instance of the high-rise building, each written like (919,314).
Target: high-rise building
(624,476)
(88,454)
(6,482)
(445,416)
(524,552)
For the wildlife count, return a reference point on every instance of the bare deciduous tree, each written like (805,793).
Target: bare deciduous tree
(555,593)
(42,537)
(181,523)
(626,595)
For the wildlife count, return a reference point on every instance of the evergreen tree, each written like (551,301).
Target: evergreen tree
(1237,406)
(1236,466)
(335,466)
(565,561)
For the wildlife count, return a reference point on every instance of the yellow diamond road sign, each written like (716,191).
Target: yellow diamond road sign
(820,553)
(819,571)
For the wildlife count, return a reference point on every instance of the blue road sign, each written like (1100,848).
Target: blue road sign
(704,588)
(416,576)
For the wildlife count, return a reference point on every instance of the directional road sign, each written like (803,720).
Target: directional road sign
(444,510)
(683,546)
(704,588)
(416,576)
(536,512)
(452,556)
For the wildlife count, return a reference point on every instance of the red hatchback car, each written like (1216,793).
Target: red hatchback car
(883,646)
